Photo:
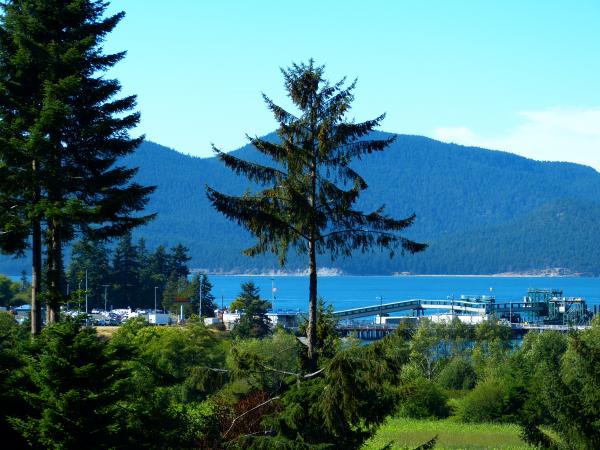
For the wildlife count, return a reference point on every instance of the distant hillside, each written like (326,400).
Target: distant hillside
(481,211)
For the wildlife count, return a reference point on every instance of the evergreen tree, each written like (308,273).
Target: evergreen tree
(208,299)
(78,380)
(175,288)
(200,289)
(179,258)
(125,271)
(67,126)
(254,322)
(145,292)
(13,351)
(312,190)
(93,257)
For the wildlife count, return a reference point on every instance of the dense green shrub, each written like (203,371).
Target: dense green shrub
(13,350)
(459,373)
(492,400)
(420,398)
(77,382)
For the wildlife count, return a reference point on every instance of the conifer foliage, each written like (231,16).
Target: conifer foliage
(310,192)
(63,129)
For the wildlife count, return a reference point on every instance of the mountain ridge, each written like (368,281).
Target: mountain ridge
(462,196)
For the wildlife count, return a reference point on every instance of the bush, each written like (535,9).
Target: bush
(421,398)
(459,374)
(492,400)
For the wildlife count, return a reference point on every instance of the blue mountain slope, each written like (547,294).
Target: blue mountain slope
(464,197)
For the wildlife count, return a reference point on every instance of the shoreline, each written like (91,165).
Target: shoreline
(412,275)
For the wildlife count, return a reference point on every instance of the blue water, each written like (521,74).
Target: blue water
(345,292)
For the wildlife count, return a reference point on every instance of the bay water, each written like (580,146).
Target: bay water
(345,292)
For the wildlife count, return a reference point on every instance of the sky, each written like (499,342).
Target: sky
(521,76)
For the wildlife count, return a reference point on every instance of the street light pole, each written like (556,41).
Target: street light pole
(200,299)
(79,302)
(273,291)
(105,292)
(155,288)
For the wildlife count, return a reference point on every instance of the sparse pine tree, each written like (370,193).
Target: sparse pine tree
(310,194)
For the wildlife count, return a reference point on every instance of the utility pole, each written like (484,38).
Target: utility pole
(79,302)
(380,308)
(155,288)
(105,292)
(273,292)
(200,298)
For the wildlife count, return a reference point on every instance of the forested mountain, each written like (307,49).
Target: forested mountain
(481,211)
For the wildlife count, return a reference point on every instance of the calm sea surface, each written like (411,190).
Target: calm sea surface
(345,292)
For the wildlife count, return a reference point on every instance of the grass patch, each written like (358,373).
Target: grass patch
(410,433)
(106,331)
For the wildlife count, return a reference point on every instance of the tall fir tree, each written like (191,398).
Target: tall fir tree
(254,322)
(206,296)
(93,257)
(125,273)
(310,192)
(79,381)
(66,128)
(179,260)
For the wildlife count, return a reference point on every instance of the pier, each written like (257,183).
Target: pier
(539,310)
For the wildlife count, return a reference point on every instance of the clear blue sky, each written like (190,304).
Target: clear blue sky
(523,76)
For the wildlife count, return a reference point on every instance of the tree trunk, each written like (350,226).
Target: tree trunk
(54,274)
(312,304)
(312,255)
(36,271)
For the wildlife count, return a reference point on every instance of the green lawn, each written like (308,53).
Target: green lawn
(410,433)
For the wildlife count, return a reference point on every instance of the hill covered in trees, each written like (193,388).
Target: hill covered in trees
(481,211)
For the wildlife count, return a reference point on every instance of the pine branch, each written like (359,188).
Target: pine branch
(254,172)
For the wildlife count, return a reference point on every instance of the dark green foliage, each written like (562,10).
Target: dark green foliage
(459,373)
(310,191)
(189,387)
(204,294)
(265,365)
(92,256)
(563,391)
(12,293)
(490,330)
(327,334)
(177,358)
(492,400)
(171,376)
(254,322)
(78,382)
(124,273)
(422,399)
(130,273)
(63,131)
(343,406)
(13,351)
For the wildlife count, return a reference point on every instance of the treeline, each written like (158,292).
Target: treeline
(191,387)
(132,275)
